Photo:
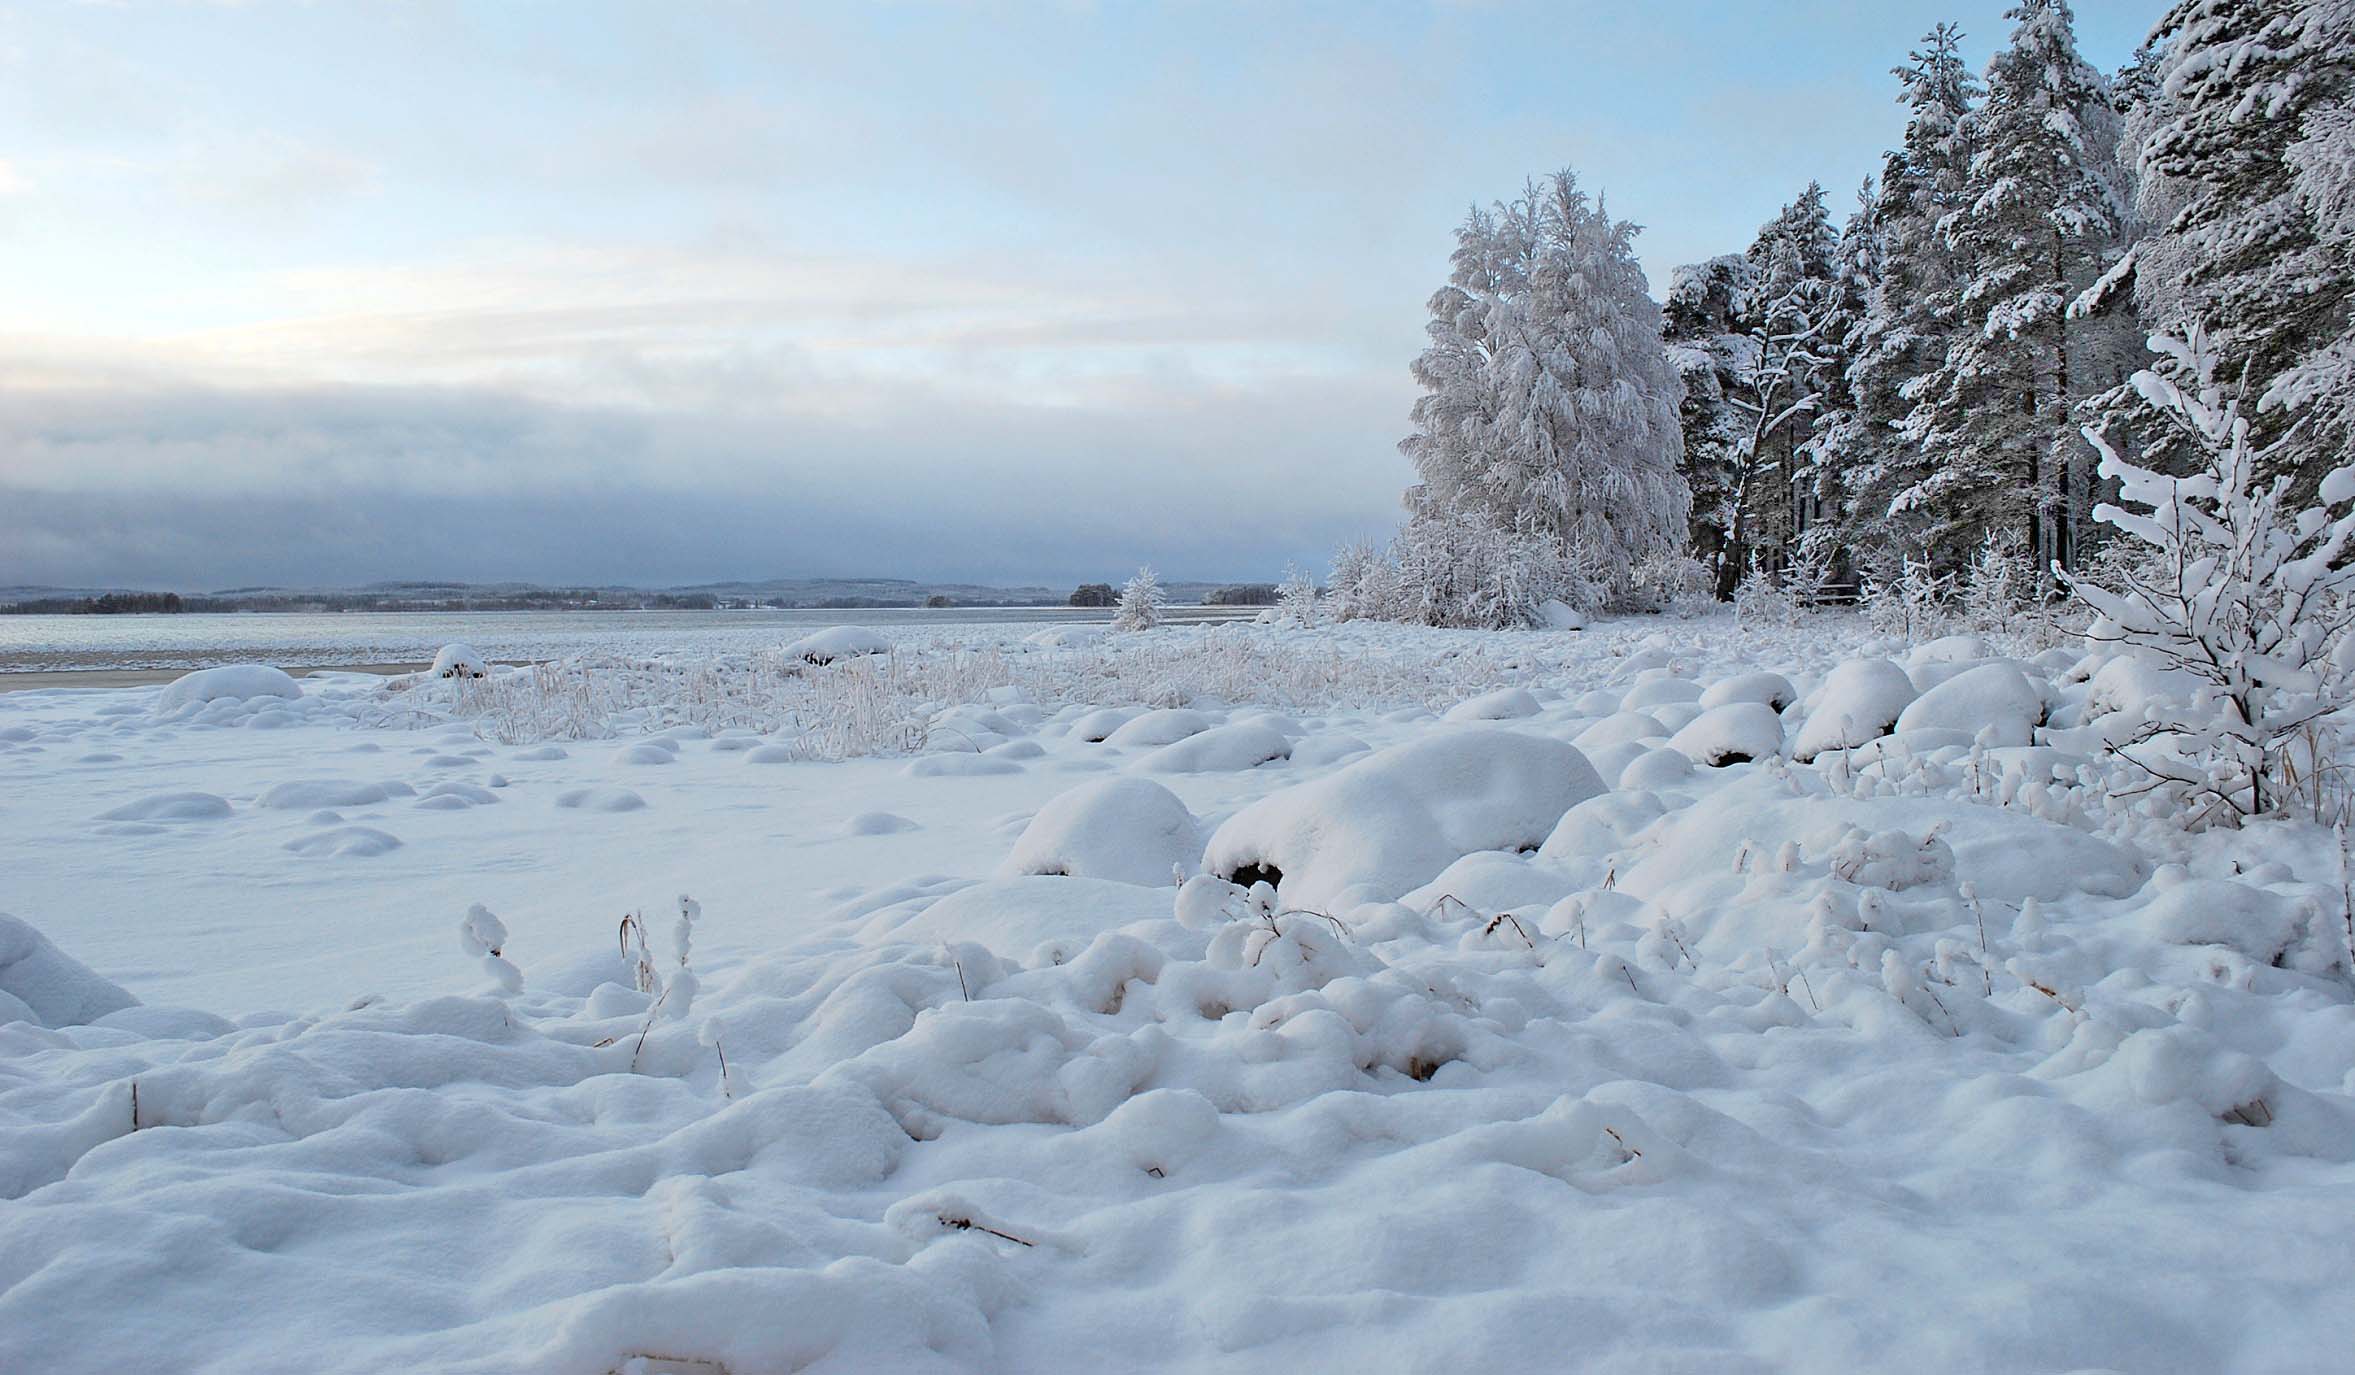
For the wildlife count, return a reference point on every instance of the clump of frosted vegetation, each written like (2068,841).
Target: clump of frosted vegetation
(483,936)
(2250,598)
(1296,599)
(888,704)
(1915,604)
(1141,602)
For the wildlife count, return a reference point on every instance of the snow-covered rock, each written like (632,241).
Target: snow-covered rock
(1393,820)
(42,984)
(1221,749)
(1164,727)
(457,660)
(1993,697)
(1858,701)
(1131,830)
(1656,768)
(837,642)
(1504,704)
(235,682)
(1771,688)
(1734,733)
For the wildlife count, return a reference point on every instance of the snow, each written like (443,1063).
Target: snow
(231,682)
(1934,1051)
(837,642)
(1734,733)
(41,984)
(1126,829)
(1993,702)
(1860,700)
(1397,817)
(459,661)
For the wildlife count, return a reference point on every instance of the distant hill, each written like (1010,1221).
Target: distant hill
(420,595)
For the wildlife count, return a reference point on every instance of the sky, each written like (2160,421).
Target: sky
(573,291)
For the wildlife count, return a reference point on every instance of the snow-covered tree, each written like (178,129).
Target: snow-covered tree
(1550,406)
(1914,306)
(1708,348)
(2241,139)
(2042,214)
(2241,589)
(1296,598)
(1787,319)
(1140,602)
(1459,569)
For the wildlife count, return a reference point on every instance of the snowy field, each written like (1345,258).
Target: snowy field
(1663,997)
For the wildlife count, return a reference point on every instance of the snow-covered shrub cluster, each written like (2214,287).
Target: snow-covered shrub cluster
(2240,592)
(1141,602)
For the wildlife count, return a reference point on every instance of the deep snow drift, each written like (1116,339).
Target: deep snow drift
(1556,1016)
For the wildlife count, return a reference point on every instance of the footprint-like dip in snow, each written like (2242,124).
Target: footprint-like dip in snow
(171,807)
(353,841)
(601,800)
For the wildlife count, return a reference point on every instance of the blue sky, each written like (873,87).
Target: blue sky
(635,292)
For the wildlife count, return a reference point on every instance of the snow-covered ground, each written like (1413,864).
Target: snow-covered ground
(1579,1027)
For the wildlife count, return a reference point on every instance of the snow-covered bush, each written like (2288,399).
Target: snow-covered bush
(2247,596)
(1914,605)
(1140,602)
(483,936)
(1670,581)
(1296,599)
(1458,570)
(1762,598)
(1995,584)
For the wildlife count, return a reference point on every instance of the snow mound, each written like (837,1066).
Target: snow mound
(1660,691)
(1553,614)
(232,682)
(1395,819)
(171,807)
(1024,917)
(837,642)
(600,800)
(1660,768)
(309,794)
(1164,727)
(345,842)
(1504,704)
(2202,911)
(42,984)
(1094,726)
(457,660)
(1221,749)
(1734,733)
(1994,697)
(1771,688)
(1130,830)
(877,824)
(1859,701)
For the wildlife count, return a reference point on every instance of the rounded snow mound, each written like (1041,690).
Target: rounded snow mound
(1992,697)
(1859,701)
(1771,688)
(1734,733)
(1504,704)
(457,660)
(41,984)
(1393,820)
(837,642)
(1023,916)
(236,682)
(1164,727)
(1221,749)
(1131,830)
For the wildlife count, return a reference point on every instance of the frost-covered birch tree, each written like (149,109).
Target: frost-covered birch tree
(1549,405)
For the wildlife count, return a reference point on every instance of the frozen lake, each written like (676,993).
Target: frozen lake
(64,643)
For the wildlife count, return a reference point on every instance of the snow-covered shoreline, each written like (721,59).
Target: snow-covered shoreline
(1579,1027)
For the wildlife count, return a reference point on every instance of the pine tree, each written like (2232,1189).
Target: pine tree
(1550,406)
(2042,214)
(1841,458)
(1787,317)
(1707,347)
(1914,301)
(2242,104)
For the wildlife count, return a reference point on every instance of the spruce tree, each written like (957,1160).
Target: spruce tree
(2042,214)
